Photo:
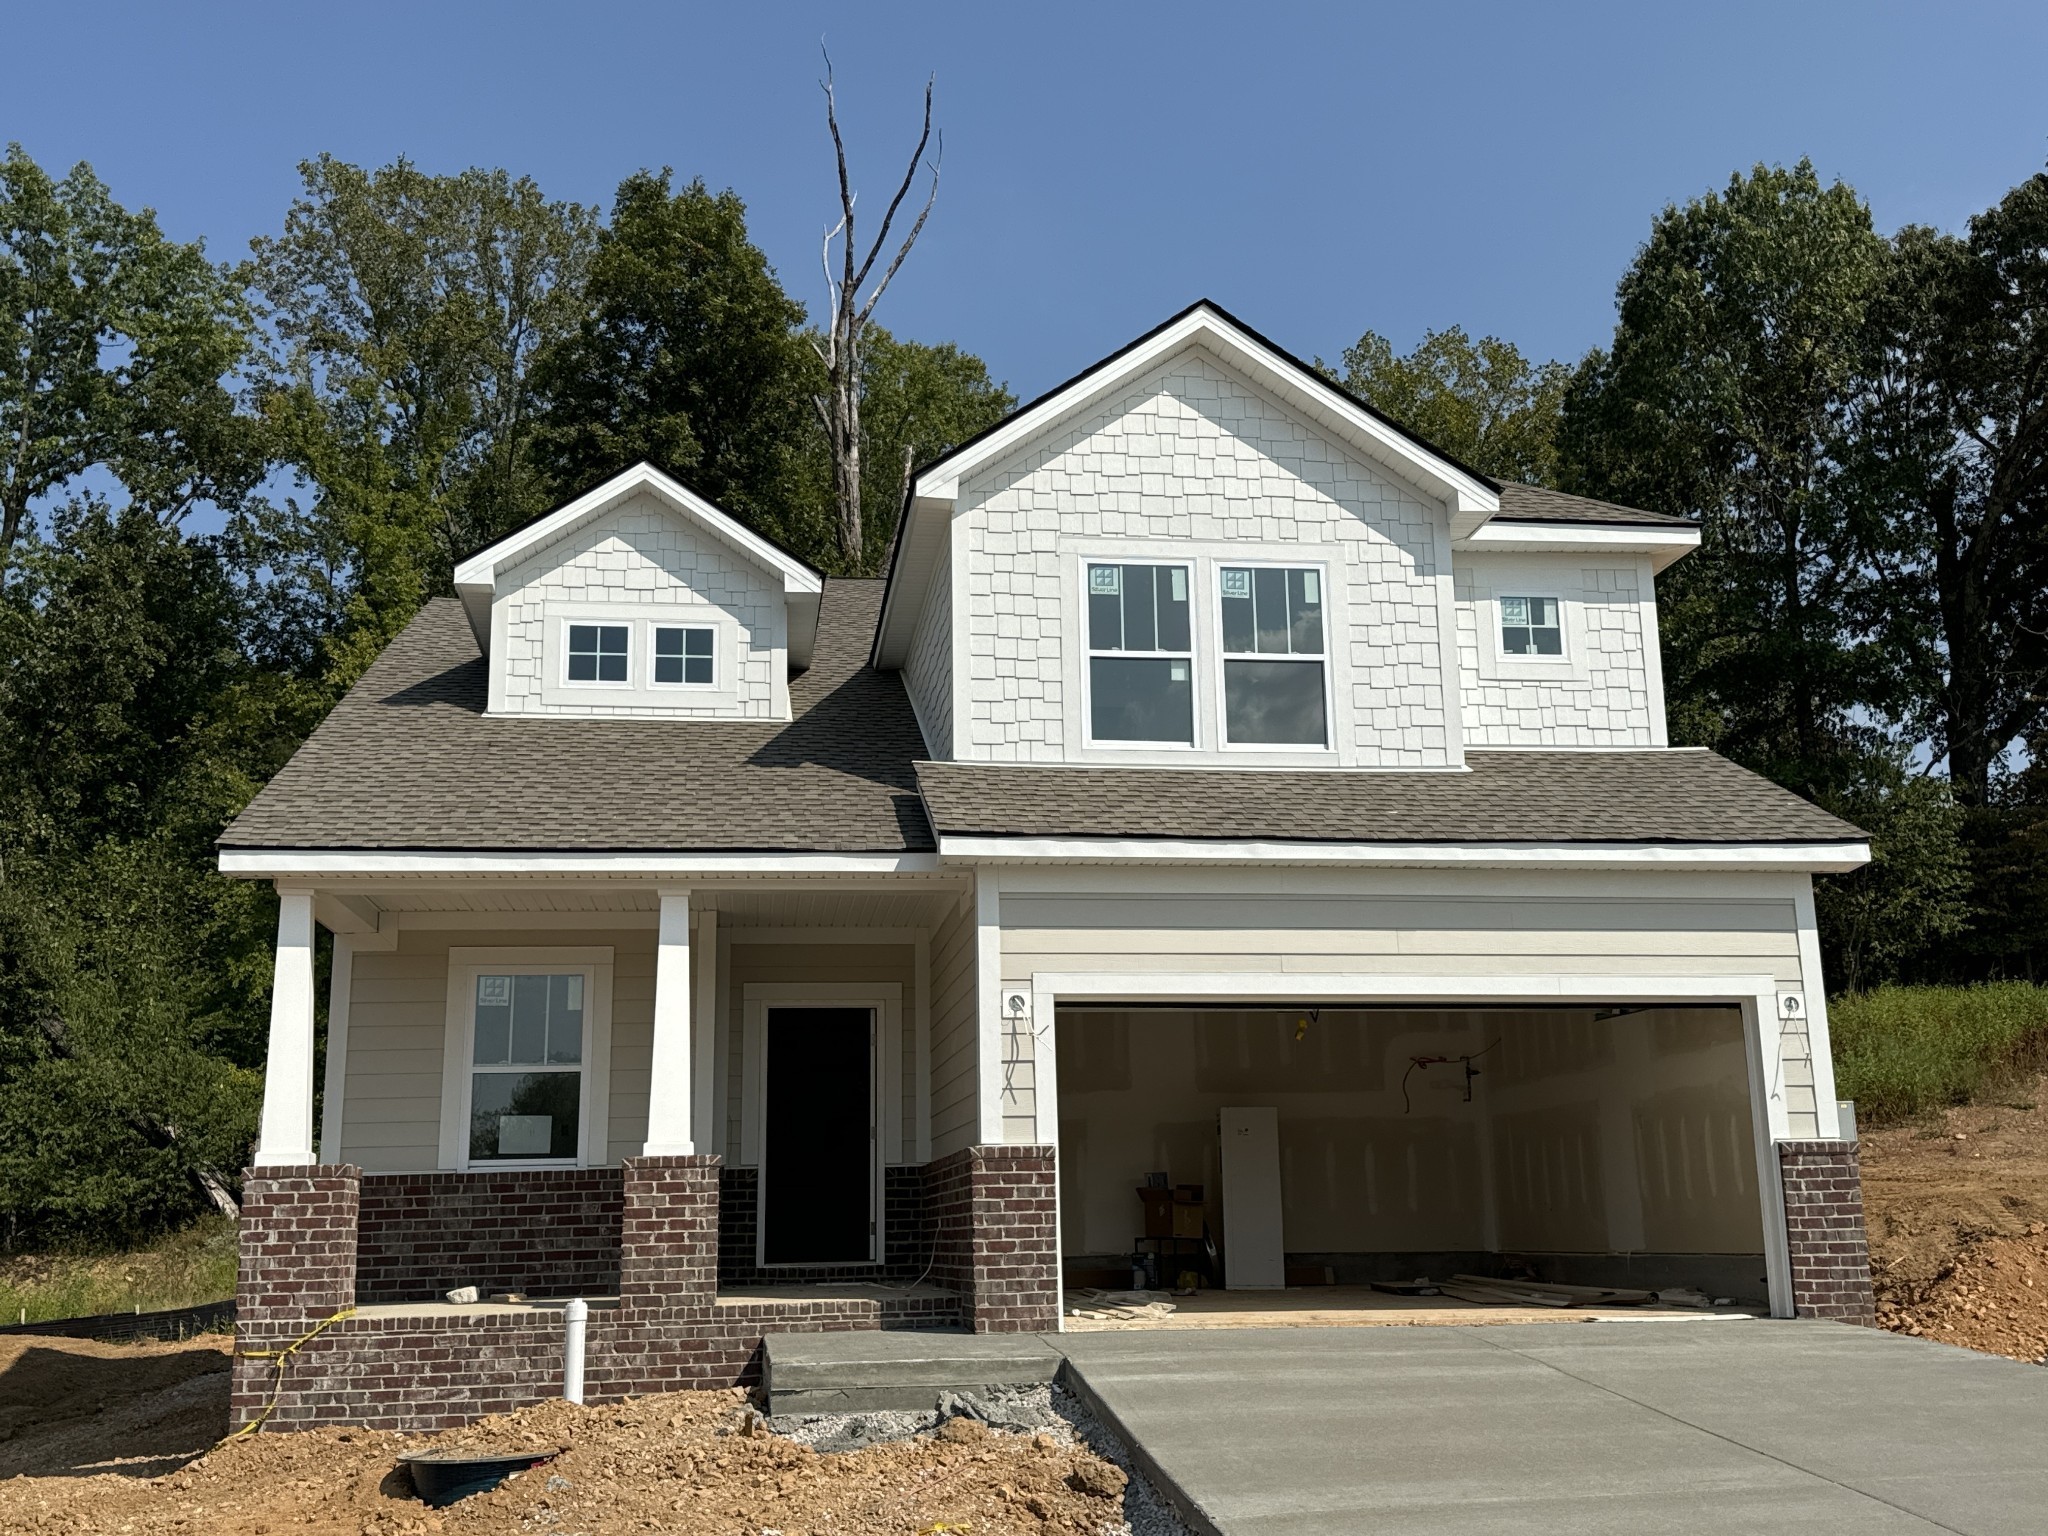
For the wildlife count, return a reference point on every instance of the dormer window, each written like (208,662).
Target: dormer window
(600,654)
(1274,689)
(1140,655)
(684,656)
(1529,627)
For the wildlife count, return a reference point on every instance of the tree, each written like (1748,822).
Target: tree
(116,347)
(1952,444)
(916,402)
(1740,333)
(1882,922)
(843,346)
(1481,402)
(406,314)
(687,355)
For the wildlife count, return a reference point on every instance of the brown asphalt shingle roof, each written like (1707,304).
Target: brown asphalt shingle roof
(1534,504)
(1507,797)
(409,760)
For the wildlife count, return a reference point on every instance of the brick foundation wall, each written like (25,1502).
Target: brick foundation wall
(668,1234)
(1824,1234)
(906,1233)
(297,1264)
(547,1232)
(994,1217)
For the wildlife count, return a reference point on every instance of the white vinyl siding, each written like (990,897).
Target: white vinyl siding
(955,1081)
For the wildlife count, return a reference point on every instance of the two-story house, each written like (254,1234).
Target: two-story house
(753,950)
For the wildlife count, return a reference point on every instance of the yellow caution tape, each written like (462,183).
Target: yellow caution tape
(283,1358)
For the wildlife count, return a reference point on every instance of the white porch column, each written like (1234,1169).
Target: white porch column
(669,1101)
(286,1137)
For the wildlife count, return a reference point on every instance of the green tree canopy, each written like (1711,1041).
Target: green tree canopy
(406,312)
(1482,402)
(117,348)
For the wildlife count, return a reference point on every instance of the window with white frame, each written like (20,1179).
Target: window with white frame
(527,1048)
(1140,654)
(1529,627)
(685,656)
(1274,691)
(599,653)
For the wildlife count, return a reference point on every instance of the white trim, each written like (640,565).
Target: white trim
(825,935)
(1755,995)
(921,975)
(285,1133)
(988,1002)
(281,863)
(1085,649)
(595,962)
(707,1023)
(883,1001)
(340,981)
(483,921)
(671,1098)
(720,662)
(1820,1047)
(481,568)
(1662,545)
(562,625)
(1818,858)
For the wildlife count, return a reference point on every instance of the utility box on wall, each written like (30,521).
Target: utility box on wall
(1254,1247)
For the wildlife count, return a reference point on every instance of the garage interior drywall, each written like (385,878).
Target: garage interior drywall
(1586,1132)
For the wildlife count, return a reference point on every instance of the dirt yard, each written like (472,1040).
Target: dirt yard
(94,1439)
(1957,1208)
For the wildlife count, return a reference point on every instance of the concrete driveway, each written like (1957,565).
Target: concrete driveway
(1697,1426)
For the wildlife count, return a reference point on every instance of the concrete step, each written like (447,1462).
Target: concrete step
(875,1371)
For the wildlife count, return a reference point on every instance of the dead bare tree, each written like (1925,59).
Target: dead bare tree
(840,349)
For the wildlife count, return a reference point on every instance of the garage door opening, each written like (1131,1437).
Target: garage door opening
(1590,1146)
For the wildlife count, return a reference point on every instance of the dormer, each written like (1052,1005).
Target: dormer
(640,598)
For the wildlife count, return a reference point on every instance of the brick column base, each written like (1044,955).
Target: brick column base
(298,1265)
(1824,1234)
(668,1235)
(994,1214)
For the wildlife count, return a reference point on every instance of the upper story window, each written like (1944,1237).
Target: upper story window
(1274,686)
(1529,627)
(526,1067)
(685,656)
(599,653)
(1140,654)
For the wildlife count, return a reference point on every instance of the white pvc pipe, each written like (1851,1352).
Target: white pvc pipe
(575,1317)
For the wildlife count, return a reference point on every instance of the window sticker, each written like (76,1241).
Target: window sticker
(1311,586)
(1106,580)
(1179,574)
(1237,583)
(495,991)
(1177,672)
(575,999)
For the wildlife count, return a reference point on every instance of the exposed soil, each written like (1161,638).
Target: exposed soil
(689,1463)
(73,1408)
(1957,1207)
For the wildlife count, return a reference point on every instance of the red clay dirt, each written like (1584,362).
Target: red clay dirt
(1957,1210)
(688,1463)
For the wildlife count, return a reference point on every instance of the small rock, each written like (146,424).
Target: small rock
(1097,1479)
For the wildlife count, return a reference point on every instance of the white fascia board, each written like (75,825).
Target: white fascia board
(1296,987)
(476,578)
(925,550)
(1816,858)
(289,863)
(1663,546)
(1302,388)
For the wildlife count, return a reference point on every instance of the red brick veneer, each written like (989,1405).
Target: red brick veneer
(547,1232)
(1824,1233)
(995,1215)
(668,1234)
(297,1264)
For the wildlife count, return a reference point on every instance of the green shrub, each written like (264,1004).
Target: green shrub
(185,1269)
(1900,1051)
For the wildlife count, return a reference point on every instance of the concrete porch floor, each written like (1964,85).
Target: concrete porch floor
(1360,1306)
(728,1296)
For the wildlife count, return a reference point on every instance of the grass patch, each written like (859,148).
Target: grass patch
(1903,1051)
(185,1269)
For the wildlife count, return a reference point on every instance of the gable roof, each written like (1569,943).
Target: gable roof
(1473,497)
(477,575)
(409,760)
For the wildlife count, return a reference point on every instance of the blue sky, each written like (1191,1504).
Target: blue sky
(1319,170)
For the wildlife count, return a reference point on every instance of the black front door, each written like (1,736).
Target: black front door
(817,1154)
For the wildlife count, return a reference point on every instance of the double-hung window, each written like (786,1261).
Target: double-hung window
(684,656)
(1529,627)
(1140,654)
(1273,683)
(599,653)
(526,1067)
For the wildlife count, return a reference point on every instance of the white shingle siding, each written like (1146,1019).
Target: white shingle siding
(1600,694)
(637,560)
(1192,455)
(928,675)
